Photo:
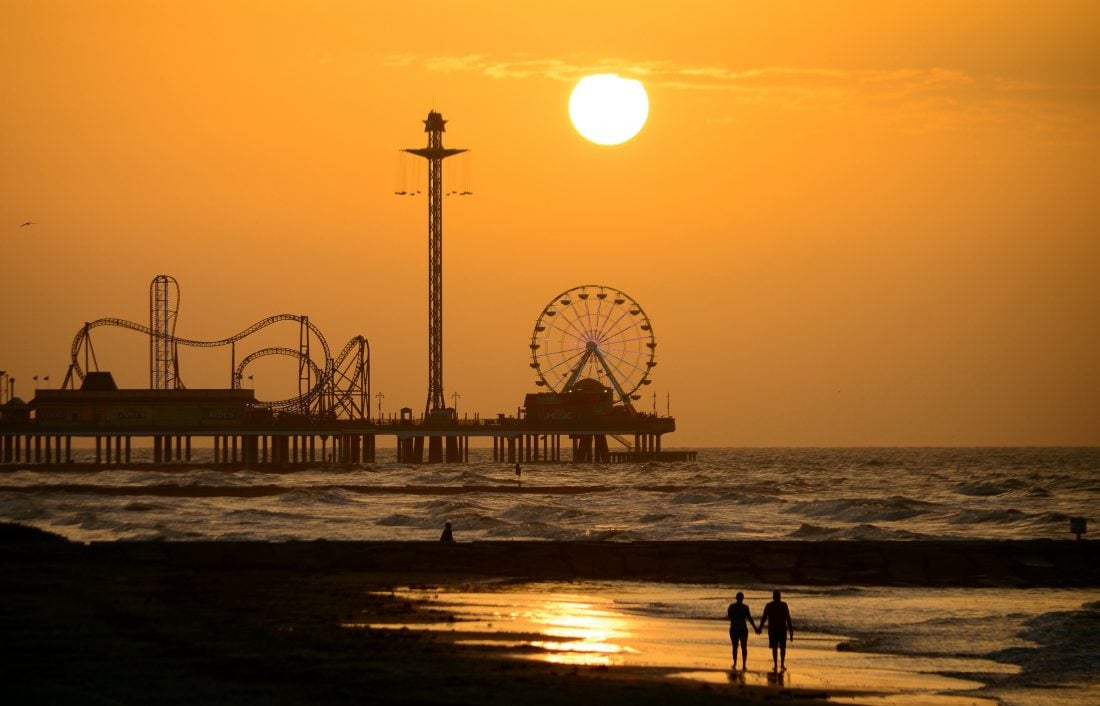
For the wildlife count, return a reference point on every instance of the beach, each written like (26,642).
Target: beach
(336,622)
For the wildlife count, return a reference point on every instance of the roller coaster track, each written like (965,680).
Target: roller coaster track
(326,376)
(351,380)
(293,402)
(82,334)
(342,397)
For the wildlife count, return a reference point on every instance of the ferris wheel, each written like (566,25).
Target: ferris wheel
(596,333)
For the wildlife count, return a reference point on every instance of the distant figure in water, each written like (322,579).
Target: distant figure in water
(519,475)
(780,616)
(740,616)
(447,536)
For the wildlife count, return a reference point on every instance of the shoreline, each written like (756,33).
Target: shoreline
(95,624)
(257,622)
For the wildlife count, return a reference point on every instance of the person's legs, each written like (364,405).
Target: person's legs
(742,638)
(783,655)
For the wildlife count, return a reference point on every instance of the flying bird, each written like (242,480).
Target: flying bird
(28,223)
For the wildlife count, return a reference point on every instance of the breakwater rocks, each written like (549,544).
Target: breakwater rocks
(884,563)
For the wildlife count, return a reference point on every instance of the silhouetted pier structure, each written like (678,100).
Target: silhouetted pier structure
(171,422)
(592,352)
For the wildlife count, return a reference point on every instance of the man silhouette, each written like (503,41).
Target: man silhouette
(739,616)
(447,535)
(779,616)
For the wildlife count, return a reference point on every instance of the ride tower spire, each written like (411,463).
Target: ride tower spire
(435,153)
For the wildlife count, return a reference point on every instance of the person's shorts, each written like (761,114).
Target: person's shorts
(741,636)
(777,639)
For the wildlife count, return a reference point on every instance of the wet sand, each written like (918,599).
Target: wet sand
(243,623)
(678,628)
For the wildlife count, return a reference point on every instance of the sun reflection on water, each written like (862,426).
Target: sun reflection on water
(561,629)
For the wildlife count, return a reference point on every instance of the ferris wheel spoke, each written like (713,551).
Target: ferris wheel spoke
(595,319)
(606,323)
(615,325)
(570,333)
(626,360)
(565,361)
(575,326)
(593,316)
(628,328)
(631,363)
(625,384)
(588,319)
(620,342)
(552,365)
(565,347)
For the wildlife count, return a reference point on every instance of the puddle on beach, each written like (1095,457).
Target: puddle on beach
(647,625)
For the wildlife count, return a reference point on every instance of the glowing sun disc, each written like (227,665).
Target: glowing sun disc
(607,109)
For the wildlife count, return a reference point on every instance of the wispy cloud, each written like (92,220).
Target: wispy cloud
(936,97)
(688,76)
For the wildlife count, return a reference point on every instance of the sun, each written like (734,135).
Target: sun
(607,109)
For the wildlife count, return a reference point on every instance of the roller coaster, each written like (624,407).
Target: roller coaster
(335,388)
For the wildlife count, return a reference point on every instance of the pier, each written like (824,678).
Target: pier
(592,352)
(240,435)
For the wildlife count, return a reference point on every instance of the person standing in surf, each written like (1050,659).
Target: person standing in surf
(780,616)
(740,616)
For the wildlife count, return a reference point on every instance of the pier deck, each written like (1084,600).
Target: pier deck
(295,441)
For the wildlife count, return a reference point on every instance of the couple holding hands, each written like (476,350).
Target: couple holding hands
(777,618)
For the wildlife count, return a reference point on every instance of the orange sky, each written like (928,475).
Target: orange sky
(851,224)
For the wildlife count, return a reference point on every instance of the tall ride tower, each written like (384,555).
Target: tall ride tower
(435,154)
(164,297)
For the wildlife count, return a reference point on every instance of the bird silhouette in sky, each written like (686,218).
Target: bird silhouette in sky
(28,223)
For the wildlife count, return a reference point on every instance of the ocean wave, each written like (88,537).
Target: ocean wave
(864,509)
(1006,516)
(472,522)
(655,517)
(1068,648)
(858,532)
(317,496)
(256,515)
(22,509)
(531,530)
(400,520)
(989,489)
(754,499)
(544,513)
(449,505)
(693,498)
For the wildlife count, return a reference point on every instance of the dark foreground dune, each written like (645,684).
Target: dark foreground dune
(252,623)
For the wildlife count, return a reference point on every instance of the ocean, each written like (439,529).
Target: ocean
(727,494)
(947,646)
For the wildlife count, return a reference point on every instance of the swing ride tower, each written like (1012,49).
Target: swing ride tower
(435,153)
